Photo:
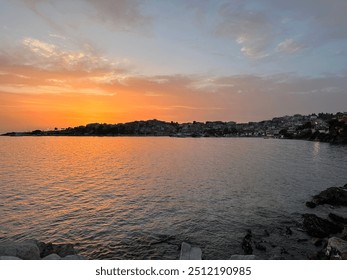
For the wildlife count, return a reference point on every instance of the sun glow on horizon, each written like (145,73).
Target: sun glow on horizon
(146,63)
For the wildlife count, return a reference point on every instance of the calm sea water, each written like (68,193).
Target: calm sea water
(140,197)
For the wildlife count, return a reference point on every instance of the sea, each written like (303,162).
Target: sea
(141,197)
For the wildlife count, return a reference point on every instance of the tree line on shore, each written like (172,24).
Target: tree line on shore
(322,127)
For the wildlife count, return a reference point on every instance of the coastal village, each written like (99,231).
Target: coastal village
(322,127)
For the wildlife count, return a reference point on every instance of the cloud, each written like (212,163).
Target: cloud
(125,15)
(40,48)
(289,46)
(323,19)
(252,30)
(120,15)
(259,26)
(51,56)
(37,70)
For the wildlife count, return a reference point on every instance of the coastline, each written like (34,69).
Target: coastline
(319,234)
(327,128)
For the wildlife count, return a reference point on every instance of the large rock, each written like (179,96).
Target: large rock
(52,257)
(334,196)
(337,248)
(337,218)
(189,252)
(319,227)
(8,249)
(60,249)
(27,250)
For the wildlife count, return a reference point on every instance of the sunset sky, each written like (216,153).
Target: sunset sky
(67,63)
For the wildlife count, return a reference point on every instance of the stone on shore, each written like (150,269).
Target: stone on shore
(34,250)
(319,227)
(336,196)
(189,252)
(336,248)
(26,250)
(62,250)
(337,218)
(52,257)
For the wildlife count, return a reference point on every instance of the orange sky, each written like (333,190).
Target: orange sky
(34,97)
(70,63)
(44,98)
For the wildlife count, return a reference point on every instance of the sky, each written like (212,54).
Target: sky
(67,63)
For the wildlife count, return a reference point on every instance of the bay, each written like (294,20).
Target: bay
(140,197)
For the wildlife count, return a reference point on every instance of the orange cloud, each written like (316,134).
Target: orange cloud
(44,87)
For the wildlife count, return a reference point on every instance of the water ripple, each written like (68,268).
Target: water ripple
(139,198)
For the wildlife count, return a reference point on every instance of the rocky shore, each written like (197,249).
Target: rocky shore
(36,250)
(321,236)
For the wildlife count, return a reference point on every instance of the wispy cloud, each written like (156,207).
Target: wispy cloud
(123,15)
(252,30)
(120,15)
(50,56)
(290,46)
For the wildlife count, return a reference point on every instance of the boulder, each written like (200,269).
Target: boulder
(319,227)
(52,257)
(8,249)
(310,204)
(337,218)
(26,250)
(189,252)
(60,249)
(336,196)
(46,249)
(336,248)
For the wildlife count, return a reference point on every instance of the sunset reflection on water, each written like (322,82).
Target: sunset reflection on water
(122,197)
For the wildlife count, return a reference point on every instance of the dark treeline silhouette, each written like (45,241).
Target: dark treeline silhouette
(323,127)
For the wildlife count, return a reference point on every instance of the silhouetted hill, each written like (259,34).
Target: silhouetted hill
(330,128)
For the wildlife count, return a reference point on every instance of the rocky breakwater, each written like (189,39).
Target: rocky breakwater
(319,234)
(330,231)
(36,250)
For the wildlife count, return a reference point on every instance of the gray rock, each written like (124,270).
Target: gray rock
(52,257)
(73,257)
(189,252)
(243,257)
(27,250)
(60,249)
(8,249)
(337,218)
(337,248)
(8,258)
(319,227)
(333,196)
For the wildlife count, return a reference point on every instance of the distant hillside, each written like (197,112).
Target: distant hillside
(323,127)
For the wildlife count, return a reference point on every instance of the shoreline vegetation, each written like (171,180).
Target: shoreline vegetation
(314,237)
(323,127)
